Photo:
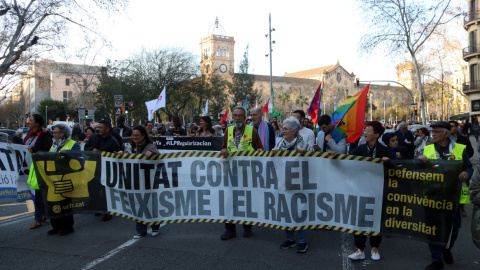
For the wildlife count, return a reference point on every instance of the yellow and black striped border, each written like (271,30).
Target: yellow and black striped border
(201,154)
(253,223)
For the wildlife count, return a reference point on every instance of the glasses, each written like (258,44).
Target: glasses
(286,129)
(57,132)
(437,131)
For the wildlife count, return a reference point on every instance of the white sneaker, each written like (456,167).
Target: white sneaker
(375,254)
(357,255)
(138,236)
(155,233)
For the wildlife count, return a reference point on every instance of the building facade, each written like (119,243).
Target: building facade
(58,81)
(471,55)
(295,90)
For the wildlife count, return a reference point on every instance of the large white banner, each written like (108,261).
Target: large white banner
(287,191)
(15,161)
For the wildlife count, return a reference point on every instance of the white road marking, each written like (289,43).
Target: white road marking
(4,221)
(112,253)
(346,249)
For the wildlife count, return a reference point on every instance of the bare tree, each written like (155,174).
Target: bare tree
(400,26)
(32,27)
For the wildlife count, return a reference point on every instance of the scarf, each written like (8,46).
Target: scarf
(58,144)
(263,132)
(421,146)
(290,145)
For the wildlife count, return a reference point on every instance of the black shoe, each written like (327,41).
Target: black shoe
(434,266)
(106,217)
(52,232)
(98,214)
(66,232)
(447,256)
(287,244)
(302,247)
(247,232)
(228,235)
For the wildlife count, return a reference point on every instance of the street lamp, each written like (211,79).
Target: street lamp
(46,115)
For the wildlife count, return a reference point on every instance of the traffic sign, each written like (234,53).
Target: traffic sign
(130,104)
(414,104)
(81,113)
(118,100)
(119,111)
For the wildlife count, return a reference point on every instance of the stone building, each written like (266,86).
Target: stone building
(295,90)
(471,54)
(58,81)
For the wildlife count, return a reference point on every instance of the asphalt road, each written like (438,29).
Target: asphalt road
(109,245)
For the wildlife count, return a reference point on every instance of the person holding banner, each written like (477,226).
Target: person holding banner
(240,137)
(293,141)
(444,147)
(37,140)
(374,149)
(142,144)
(63,142)
(325,141)
(103,141)
(390,139)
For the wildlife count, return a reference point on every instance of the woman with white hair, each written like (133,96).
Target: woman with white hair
(292,140)
(17,139)
(62,142)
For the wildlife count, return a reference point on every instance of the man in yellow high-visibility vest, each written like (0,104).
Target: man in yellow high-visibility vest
(445,148)
(240,137)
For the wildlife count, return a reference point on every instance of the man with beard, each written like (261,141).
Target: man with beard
(240,137)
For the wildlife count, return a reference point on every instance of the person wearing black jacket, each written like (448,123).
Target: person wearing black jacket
(405,137)
(103,141)
(38,140)
(458,138)
(396,152)
(374,149)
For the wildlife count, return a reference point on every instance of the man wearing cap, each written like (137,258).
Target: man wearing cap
(103,141)
(444,147)
(161,129)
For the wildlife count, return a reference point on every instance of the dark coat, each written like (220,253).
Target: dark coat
(465,141)
(127,131)
(108,144)
(363,150)
(44,142)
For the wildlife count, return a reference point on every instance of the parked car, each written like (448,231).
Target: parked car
(10,132)
(3,137)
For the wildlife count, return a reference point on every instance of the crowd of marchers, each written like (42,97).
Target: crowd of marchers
(248,131)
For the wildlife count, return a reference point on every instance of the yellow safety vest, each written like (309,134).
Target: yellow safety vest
(32,177)
(245,142)
(457,152)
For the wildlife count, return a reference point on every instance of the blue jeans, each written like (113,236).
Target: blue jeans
(39,207)
(302,236)
(142,229)
(436,252)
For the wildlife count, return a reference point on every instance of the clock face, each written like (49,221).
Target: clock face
(223,68)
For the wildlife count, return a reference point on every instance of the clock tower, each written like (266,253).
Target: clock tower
(217,52)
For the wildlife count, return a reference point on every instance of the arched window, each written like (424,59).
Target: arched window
(227,53)
(218,51)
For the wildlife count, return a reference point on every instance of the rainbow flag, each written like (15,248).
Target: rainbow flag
(349,118)
(315,109)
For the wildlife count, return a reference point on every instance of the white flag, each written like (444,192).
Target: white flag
(160,101)
(150,108)
(205,110)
